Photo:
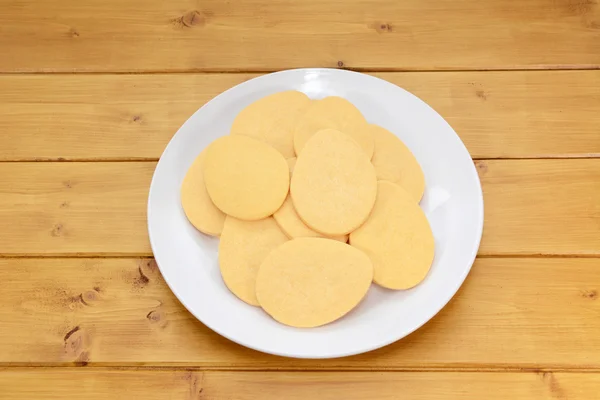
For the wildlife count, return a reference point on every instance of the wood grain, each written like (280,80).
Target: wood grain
(541,207)
(112,117)
(529,325)
(510,313)
(195,385)
(72,208)
(184,35)
(532,207)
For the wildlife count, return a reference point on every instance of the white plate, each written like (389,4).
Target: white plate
(453,203)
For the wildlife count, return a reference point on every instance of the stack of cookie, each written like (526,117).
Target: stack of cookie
(312,204)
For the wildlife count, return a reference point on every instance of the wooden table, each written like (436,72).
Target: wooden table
(91,91)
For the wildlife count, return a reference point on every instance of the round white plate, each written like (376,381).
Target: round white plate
(453,203)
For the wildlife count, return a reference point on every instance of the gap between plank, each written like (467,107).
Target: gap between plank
(538,255)
(183,367)
(584,67)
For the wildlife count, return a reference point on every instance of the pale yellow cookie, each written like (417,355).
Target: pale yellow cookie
(245,177)
(290,223)
(242,248)
(309,282)
(397,237)
(394,162)
(333,113)
(334,184)
(272,120)
(291,164)
(197,205)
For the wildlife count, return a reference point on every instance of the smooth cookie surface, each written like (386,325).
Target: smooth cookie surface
(397,238)
(290,223)
(291,164)
(196,203)
(309,282)
(245,178)
(333,113)
(242,248)
(288,220)
(334,184)
(394,162)
(272,120)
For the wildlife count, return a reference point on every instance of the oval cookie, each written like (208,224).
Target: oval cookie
(197,205)
(333,113)
(334,184)
(242,248)
(290,223)
(309,282)
(394,162)
(272,120)
(245,178)
(397,237)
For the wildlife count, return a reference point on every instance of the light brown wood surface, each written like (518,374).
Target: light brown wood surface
(541,207)
(194,385)
(532,207)
(111,117)
(92,91)
(511,313)
(186,35)
(74,208)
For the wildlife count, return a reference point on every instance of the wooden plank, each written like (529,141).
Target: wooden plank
(532,207)
(510,313)
(72,208)
(34,384)
(497,114)
(182,35)
(541,207)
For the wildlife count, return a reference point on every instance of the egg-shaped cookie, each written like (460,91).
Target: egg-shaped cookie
(397,238)
(394,162)
(245,178)
(272,119)
(197,205)
(309,282)
(334,184)
(290,223)
(333,113)
(242,249)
